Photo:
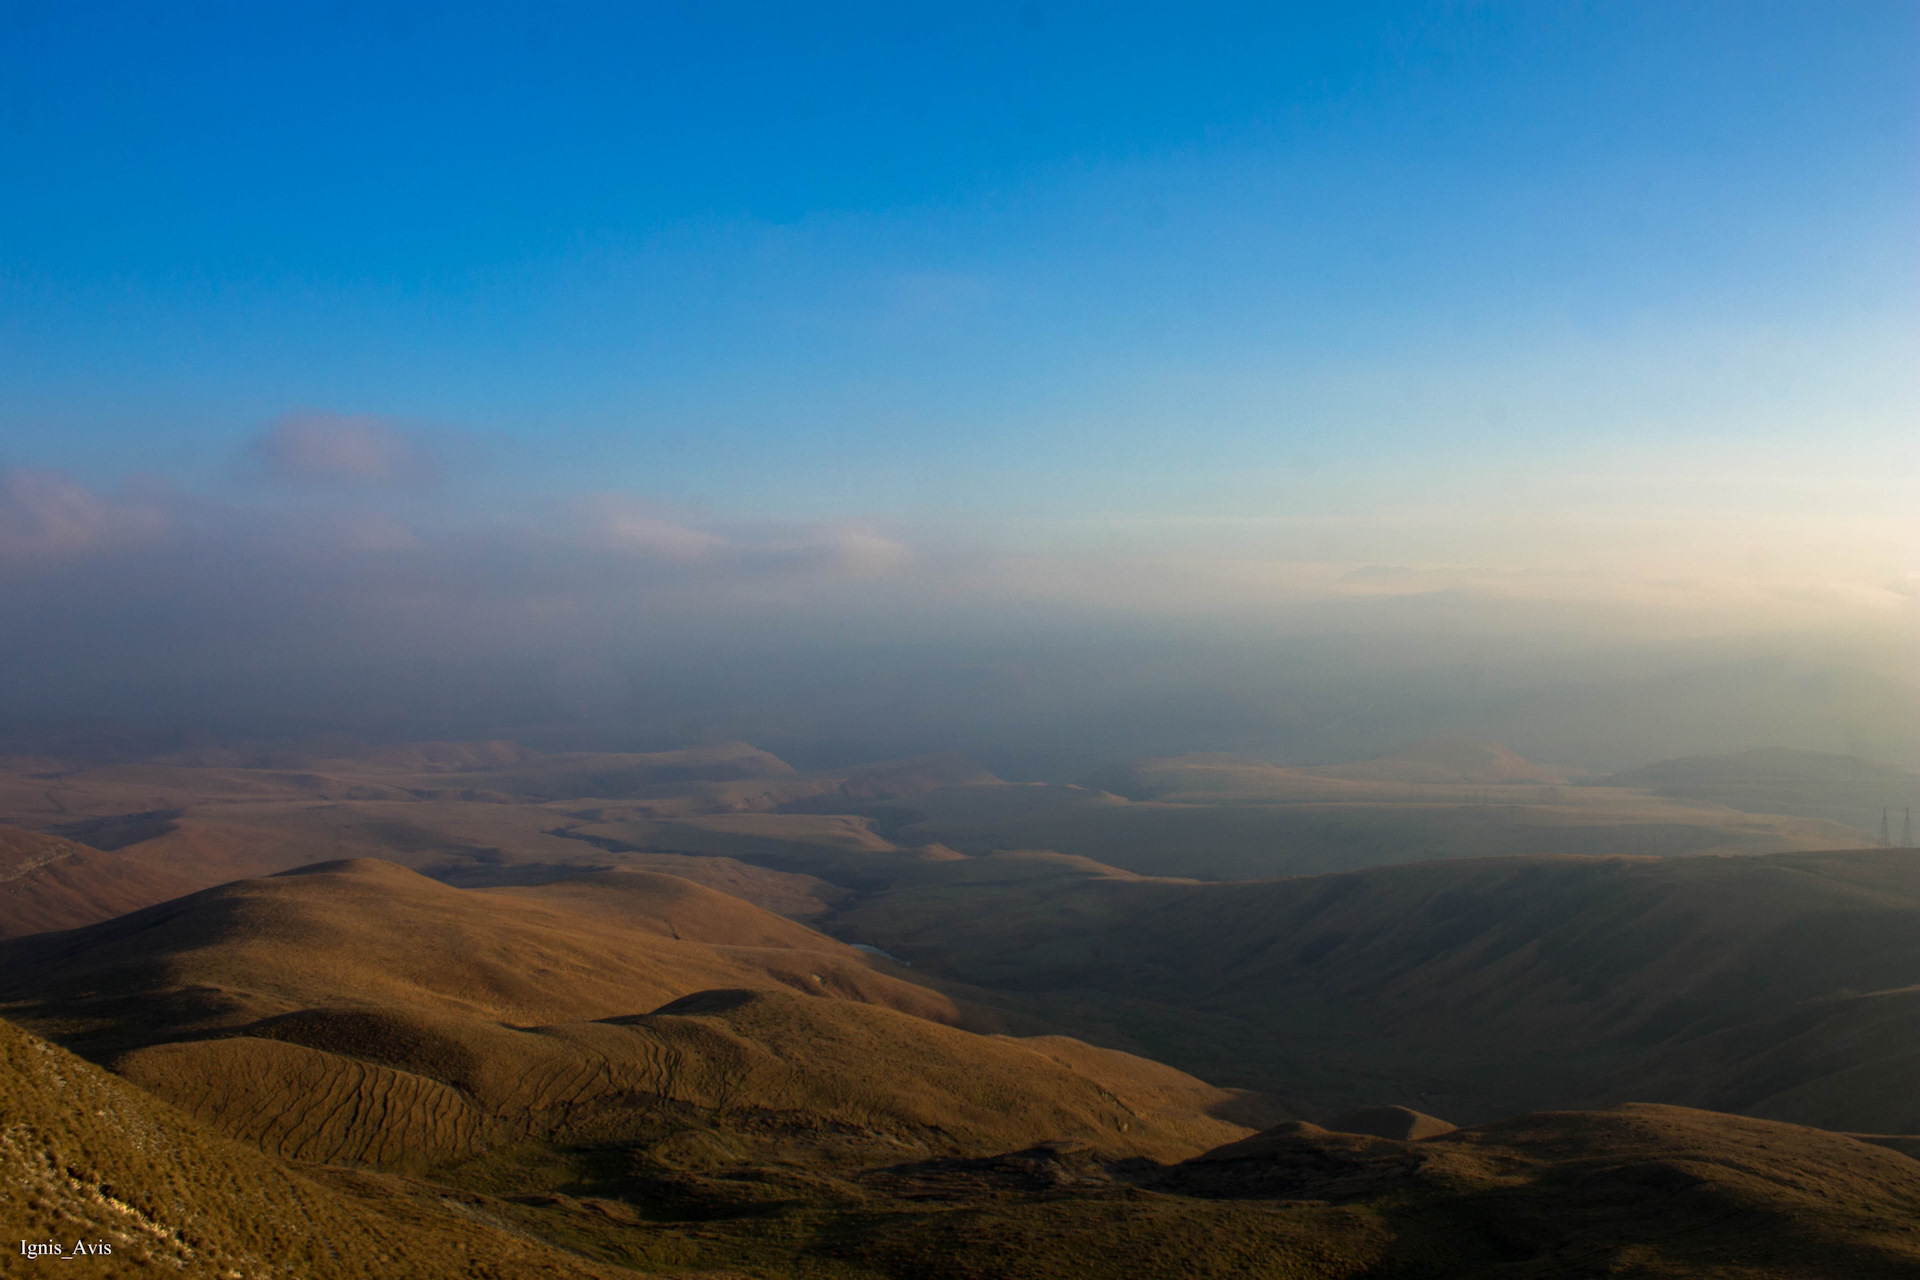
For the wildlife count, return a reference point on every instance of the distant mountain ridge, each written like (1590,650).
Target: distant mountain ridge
(1813,784)
(1446,760)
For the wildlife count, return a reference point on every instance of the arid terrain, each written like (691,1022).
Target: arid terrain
(1021,641)
(471,1009)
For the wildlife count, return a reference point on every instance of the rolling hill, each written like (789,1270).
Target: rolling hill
(369,931)
(1660,1192)
(361,1011)
(648,1074)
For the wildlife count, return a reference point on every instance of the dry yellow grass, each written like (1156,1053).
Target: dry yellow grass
(1658,1192)
(374,933)
(358,1011)
(824,1082)
(86,1157)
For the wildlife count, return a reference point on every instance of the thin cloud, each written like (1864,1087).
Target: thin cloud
(46,516)
(616,523)
(343,450)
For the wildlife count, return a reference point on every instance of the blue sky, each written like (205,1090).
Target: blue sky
(348,348)
(1255,296)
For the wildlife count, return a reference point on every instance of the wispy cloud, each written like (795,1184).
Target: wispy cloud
(345,450)
(47,517)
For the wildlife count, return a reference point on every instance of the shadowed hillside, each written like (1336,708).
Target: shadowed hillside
(1479,986)
(47,882)
(702,1181)
(1641,1190)
(1649,1191)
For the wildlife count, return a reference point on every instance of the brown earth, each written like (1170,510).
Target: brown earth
(478,1053)
(1639,1190)
(817,1082)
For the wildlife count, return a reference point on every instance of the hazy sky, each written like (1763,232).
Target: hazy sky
(521,314)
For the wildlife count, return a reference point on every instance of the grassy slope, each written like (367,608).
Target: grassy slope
(1646,1191)
(86,1156)
(360,1011)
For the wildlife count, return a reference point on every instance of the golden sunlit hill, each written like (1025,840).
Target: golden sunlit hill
(700,1010)
(360,1011)
(373,932)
